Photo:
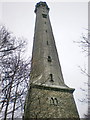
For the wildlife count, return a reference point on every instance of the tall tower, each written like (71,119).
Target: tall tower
(48,96)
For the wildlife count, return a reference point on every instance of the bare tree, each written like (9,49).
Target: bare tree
(85,45)
(14,72)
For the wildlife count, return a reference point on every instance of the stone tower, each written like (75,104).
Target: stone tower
(48,96)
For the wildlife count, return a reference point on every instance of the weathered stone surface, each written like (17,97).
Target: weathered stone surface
(41,67)
(48,96)
(45,103)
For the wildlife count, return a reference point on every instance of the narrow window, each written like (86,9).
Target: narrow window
(36,116)
(39,100)
(44,15)
(49,59)
(55,101)
(47,42)
(51,101)
(46,30)
(45,22)
(51,78)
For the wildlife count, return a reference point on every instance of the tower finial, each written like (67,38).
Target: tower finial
(41,4)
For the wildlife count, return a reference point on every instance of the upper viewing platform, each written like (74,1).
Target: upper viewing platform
(43,4)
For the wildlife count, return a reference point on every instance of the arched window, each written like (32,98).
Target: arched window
(55,101)
(52,101)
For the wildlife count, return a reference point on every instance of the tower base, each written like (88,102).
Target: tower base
(50,102)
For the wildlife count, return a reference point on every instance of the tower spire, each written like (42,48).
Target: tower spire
(48,96)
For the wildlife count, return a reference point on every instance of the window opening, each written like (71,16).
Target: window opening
(47,42)
(49,59)
(55,101)
(51,101)
(46,30)
(44,15)
(51,78)
(39,100)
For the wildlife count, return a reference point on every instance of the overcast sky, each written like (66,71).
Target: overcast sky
(69,20)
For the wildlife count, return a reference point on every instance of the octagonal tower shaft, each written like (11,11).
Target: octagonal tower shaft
(45,67)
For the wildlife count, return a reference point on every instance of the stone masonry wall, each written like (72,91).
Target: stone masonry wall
(50,104)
